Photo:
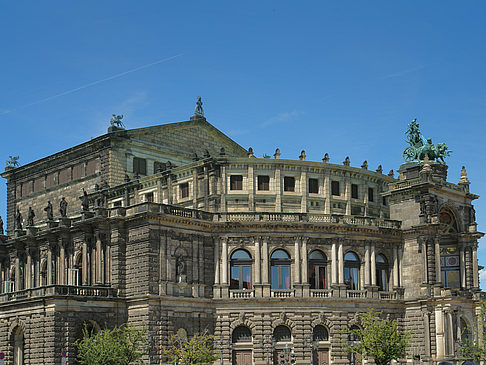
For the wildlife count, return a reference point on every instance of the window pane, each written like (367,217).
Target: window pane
(380,259)
(240,255)
(285,272)
(274,275)
(289,183)
(317,255)
(280,254)
(354,191)
(354,278)
(452,279)
(235,277)
(312,276)
(184,190)
(313,186)
(370,194)
(236,182)
(322,277)
(263,183)
(350,256)
(335,187)
(347,275)
(246,272)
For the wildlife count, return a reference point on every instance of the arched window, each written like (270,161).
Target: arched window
(351,271)
(317,270)
(320,333)
(240,270)
(465,331)
(43,273)
(382,274)
(280,272)
(18,345)
(241,334)
(448,221)
(282,334)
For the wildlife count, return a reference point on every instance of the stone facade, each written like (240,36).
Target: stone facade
(186,229)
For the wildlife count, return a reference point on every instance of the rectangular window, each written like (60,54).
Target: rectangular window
(313,186)
(78,171)
(64,176)
(149,197)
(51,180)
(371,196)
(384,201)
(91,167)
(39,184)
(289,183)
(184,190)
(263,182)
(139,166)
(354,191)
(335,188)
(236,182)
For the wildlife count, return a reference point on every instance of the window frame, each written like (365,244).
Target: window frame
(138,163)
(236,182)
(354,191)
(351,269)
(242,265)
(261,184)
(184,190)
(289,187)
(335,187)
(281,265)
(316,186)
(314,266)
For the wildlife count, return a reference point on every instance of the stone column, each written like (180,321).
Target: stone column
(194,188)
(462,267)
(367,264)
(450,333)
(303,192)
(437,261)
(347,195)
(222,207)
(265,266)
(427,333)
(278,190)
(216,262)
(17,274)
(61,262)
(107,263)
(297,260)
(396,282)
(159,198)
(206,188)
(257,261)
(341,262)
(84,263)
(334,271)
(439,328)
(224,257)
(28,271)
(475,266)
(169,189)
(49,265)
(327,194)
(373,264)
(305,262)
(99,279)
(250,188)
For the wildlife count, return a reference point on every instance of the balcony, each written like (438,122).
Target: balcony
(59,290)
(356,294)
(387,295)
(283,293)
(321,293)
(242,294)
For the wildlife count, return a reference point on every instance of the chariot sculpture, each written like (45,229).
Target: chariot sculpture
(421,146)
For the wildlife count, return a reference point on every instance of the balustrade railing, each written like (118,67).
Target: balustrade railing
(356,293)
(241,294)
(282,293)
(59,290)
(321,293)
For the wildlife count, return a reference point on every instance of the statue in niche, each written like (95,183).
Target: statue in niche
(18,220)
(49,211)
(1,226)
(180,265)
(63,207)
(85,201)
(472,215)
(30,217)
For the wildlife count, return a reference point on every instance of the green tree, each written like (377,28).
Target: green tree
(122,345)
(475,348)
(380,339)
(198,349)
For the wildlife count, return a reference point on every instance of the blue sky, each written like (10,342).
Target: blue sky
(338,77)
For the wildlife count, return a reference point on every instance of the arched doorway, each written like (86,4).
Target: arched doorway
(320,340)
(242,344)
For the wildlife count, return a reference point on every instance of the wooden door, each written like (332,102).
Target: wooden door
(321,357)
(242,357)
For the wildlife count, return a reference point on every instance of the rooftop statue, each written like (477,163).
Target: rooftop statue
(13,161)
(421,146)
(116,121)
(199,109)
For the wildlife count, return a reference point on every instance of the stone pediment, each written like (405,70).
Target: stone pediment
(190,137)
